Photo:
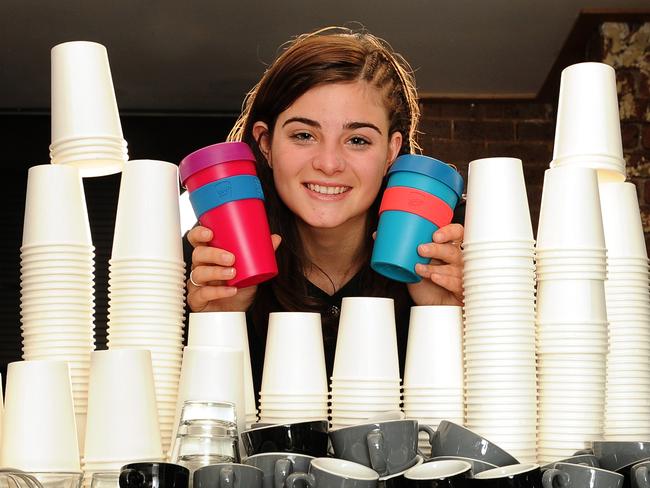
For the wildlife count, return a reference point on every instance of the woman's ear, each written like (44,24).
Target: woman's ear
(263,137)
(394,146)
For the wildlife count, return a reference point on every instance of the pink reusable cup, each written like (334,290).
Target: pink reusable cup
(236,216)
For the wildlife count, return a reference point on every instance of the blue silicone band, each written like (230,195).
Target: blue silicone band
(430,167)
(225,190)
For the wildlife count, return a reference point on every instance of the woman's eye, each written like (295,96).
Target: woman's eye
(302,136)
(359,141)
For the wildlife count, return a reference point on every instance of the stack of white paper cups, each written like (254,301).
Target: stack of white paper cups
(627,408)
(122,424)
(588,130)
(146,285)
(86,129)
(499,286)
(365,379)
(433,374)
(57,266)
(39,431)
(571,314)
(294,379)
(226,329)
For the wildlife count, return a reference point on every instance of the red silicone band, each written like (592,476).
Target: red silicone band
(417,202)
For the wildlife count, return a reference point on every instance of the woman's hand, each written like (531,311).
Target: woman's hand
(211,268)
(442,278)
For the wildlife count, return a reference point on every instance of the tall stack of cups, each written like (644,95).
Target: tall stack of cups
(420,197)
(226,329)
(294,379)
(122,414)
(146,285)
(57,277)
(571,313)
(86,128)
(499,287)
(627,407)
(39,432)
(365,379)
(588,130)
(227,197)
(433,374)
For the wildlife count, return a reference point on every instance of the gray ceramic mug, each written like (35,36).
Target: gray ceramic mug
(566,475)
(335,473)
(277,466)
(455,440)
(387,447)
(228,475)
(614,455)
(640,475)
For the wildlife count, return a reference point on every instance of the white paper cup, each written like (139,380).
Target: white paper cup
(83,104)
(497,205)
(227,329)
(39,432)
(570,215)
(587,131)
(571,300)
(148,218)
(55,207)
(434,356)
(122,419)
(212,374)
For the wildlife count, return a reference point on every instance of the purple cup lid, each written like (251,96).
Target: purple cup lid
(205,157)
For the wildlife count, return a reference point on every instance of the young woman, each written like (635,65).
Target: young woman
(325,122)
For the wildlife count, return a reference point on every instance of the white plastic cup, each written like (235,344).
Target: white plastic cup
(588,131)
(55,207)
(122,420)
(226,329)
(147,223)
(39,433)
(294,360)
(570,216)
(497,205)
(84,109)
(434,354)
(366,345)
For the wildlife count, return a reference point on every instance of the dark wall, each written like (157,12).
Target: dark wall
(26,139)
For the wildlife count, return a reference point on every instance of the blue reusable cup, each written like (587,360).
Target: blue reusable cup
(401,230)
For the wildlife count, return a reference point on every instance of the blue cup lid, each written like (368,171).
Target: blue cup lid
(431,167)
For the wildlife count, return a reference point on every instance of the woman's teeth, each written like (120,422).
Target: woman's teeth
(327,190)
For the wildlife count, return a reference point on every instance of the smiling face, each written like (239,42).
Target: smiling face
(329,152)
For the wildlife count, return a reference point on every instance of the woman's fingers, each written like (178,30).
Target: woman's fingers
(211,256)
(199,236)
(206,275)
(441,253)
(199,297)
(452,233)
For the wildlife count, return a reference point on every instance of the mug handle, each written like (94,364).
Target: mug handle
(432,434)
(641,477)
(283,468)
(227,478)
(375,443)
(582,452)
(127,477)
(306,477)
(551,476)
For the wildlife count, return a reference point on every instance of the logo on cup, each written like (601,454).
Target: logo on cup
(415,200)
(224,190)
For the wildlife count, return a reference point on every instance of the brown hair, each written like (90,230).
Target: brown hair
(330,55)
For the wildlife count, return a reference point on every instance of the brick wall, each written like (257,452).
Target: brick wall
(460,131)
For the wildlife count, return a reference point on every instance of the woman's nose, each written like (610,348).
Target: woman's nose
(329,160)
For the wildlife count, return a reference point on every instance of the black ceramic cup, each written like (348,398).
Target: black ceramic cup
(154,475)
(309,438)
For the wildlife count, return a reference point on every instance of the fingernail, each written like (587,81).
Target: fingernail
(231,289)
(230,271)
(228,258)
(205,234)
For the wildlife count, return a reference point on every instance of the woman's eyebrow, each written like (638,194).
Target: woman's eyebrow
(348,126)
(360,125)
(303,120)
